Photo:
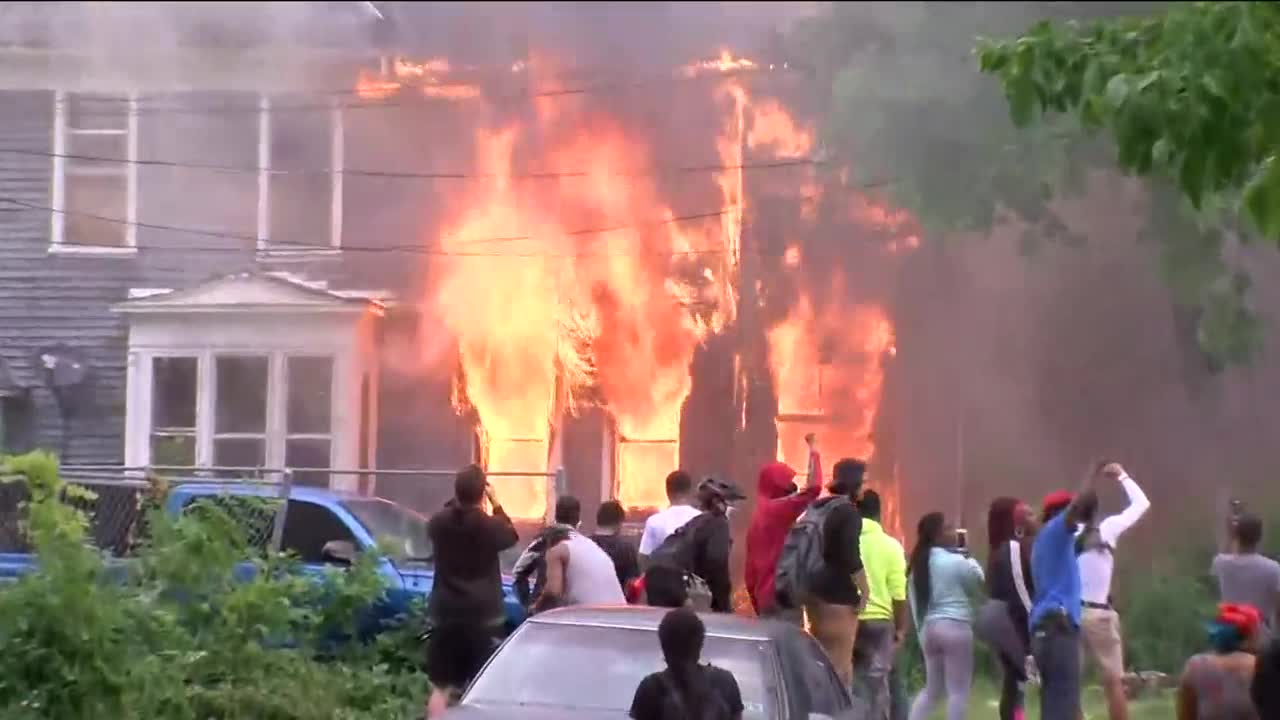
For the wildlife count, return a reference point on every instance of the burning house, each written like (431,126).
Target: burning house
(436,261)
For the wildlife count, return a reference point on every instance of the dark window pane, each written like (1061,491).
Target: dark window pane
(300,202)
(310,395)
(242,395)
(173,392)
(97,210)
(238,452)
(173,450)
(307,527)
(308,454)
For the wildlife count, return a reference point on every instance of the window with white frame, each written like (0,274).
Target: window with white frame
(95,174)
(173,410)
(238,411)
(300,153)
(308,427)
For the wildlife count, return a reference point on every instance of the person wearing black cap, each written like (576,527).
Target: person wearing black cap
(838,592)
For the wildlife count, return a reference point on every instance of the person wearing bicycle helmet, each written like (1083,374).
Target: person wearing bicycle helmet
(696,554)
(713,540)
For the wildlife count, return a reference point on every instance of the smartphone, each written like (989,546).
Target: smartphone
(1237,507)
(962,538)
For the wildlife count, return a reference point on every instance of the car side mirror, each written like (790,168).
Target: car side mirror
(339,552)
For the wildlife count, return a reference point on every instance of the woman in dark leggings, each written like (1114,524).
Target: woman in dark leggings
(1002,622)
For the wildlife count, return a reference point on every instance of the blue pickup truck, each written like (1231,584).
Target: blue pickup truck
(316,522)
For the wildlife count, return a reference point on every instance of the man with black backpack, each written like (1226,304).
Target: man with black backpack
(692,564)
(820,568)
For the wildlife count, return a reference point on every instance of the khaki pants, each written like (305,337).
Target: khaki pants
(1100,636)
(835,627)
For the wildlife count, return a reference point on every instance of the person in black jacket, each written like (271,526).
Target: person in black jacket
(1002,621)
(697,551)
(838,592)
(465,608)
(623,553)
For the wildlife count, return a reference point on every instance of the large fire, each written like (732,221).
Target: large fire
(586,285)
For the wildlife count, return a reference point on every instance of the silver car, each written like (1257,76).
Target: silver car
(585,662)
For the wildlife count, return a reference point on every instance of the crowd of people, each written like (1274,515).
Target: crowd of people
(817,557)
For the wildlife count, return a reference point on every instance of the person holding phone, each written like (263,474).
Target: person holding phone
(942,585)
(465,608)
(1245,575)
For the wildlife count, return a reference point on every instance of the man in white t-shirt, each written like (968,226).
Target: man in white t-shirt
(663,523)
(1099,623)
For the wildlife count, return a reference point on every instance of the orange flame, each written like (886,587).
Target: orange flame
(591,314)
(772,126)
(828,371)
(371,87)
(724,63)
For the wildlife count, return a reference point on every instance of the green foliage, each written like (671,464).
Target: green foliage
(175,635)
(1187,94)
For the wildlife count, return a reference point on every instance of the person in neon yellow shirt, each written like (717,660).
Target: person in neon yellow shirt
(883,622)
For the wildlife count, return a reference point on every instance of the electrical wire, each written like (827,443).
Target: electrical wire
(354,172)
(273,246)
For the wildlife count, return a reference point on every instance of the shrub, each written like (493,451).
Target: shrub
(178,633)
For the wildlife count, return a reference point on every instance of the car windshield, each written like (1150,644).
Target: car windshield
(544,664)
(397,530)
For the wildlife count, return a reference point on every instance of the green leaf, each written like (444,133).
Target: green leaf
(1262,199)
(1117,92)
(1191,175)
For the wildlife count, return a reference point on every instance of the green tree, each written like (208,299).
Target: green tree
(1188,95)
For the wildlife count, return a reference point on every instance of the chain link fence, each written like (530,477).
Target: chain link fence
(120,498)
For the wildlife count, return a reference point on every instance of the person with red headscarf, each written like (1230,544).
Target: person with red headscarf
(1215,684)
(778,503)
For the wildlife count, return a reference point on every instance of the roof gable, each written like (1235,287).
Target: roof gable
(248,292)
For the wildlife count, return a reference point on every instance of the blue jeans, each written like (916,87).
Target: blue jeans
(1055,644)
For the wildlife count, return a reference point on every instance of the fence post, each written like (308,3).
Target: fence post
(282,512)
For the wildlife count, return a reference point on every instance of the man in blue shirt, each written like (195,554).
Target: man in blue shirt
(1055,613)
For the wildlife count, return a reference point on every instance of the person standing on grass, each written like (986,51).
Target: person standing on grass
(1245,576)
(1099,622)
(680,510)
(608,536)
(1055,612)
(465,607)
(838,589)
(1215,685)
(778,504)
(943,581)
(882,624)
(1002,620)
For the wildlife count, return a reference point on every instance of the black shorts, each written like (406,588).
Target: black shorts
(665,587)
(457,651)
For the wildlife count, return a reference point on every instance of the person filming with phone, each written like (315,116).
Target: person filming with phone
(1246,576)
(465,606)
(941,588)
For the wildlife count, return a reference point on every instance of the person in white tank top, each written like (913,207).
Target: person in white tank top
(579,572)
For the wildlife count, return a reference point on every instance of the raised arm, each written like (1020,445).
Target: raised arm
(1084,497)
(504,533)
(1117,524)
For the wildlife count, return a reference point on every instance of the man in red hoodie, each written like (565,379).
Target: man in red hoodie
(778,503)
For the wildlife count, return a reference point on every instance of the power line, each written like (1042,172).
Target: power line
(412,249)
(352,172)
(404,97)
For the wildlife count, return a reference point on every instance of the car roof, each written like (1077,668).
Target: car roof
(635,617)
(296,492)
